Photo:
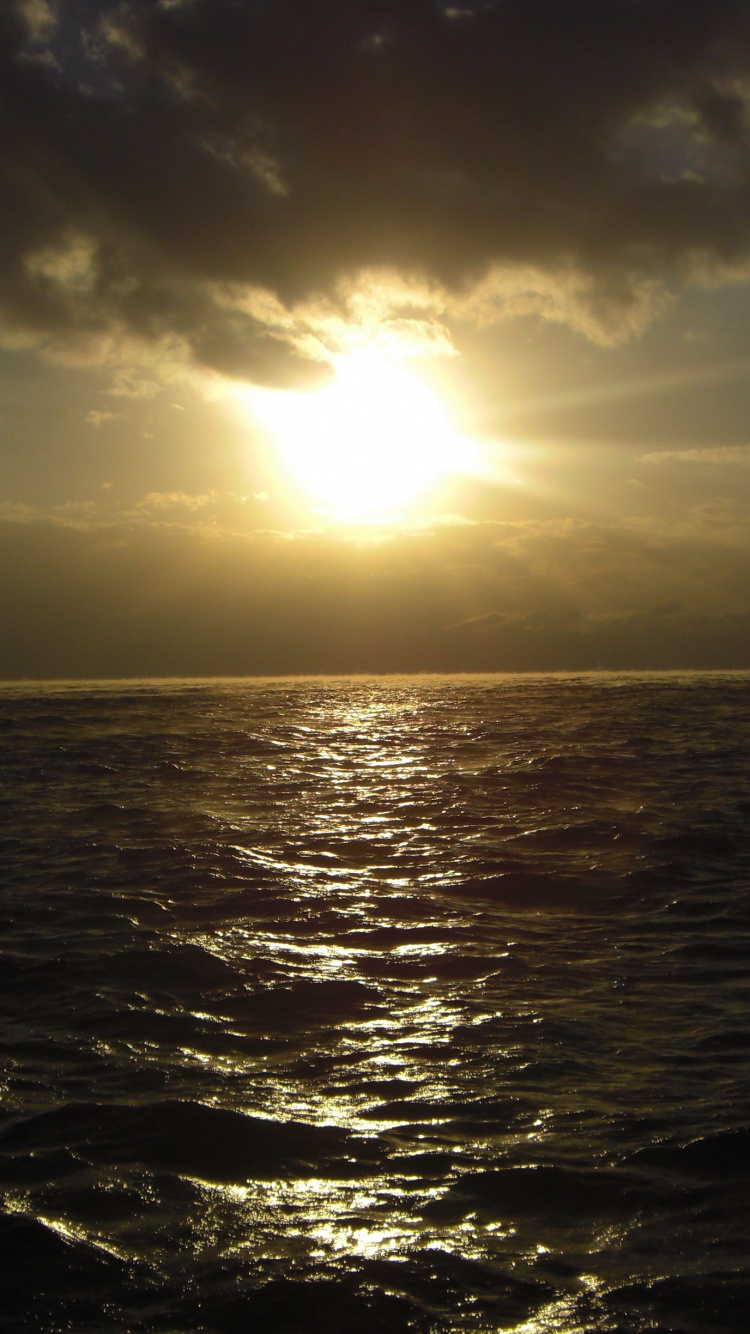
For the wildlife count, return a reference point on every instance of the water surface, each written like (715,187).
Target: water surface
(393,1004)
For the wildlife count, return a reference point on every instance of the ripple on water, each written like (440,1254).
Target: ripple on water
(376,1005)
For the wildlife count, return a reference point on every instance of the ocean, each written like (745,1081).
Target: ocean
(349,1006)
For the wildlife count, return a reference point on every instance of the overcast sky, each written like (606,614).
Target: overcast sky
(544,205)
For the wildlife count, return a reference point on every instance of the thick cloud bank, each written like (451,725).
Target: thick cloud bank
(160,592)
(188,172)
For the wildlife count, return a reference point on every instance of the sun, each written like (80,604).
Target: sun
(368,443)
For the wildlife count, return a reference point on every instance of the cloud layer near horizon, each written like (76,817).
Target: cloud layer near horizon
(177,587)
(212,178)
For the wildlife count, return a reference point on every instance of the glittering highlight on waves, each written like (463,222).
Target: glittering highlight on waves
(385,1005)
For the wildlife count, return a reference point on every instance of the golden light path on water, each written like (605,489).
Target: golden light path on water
(370,1041)
(367,444)
(327,1220)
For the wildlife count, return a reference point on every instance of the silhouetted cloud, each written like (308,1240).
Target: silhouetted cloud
(195,585)
(203,176)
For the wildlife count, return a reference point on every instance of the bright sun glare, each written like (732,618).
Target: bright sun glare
(369,442)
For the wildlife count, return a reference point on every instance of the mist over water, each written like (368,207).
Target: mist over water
(391,1004)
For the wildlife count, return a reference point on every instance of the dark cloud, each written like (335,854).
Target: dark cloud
(162,591)
(157,155)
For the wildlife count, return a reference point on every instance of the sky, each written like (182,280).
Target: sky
(374,335)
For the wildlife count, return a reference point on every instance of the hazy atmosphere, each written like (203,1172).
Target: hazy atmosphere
(387,335)
(374,666)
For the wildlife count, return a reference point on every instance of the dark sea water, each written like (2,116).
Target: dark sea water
(401,1004)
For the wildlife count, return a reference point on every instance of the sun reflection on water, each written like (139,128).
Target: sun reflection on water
(355,908)
(327,1219)
(361,1000)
